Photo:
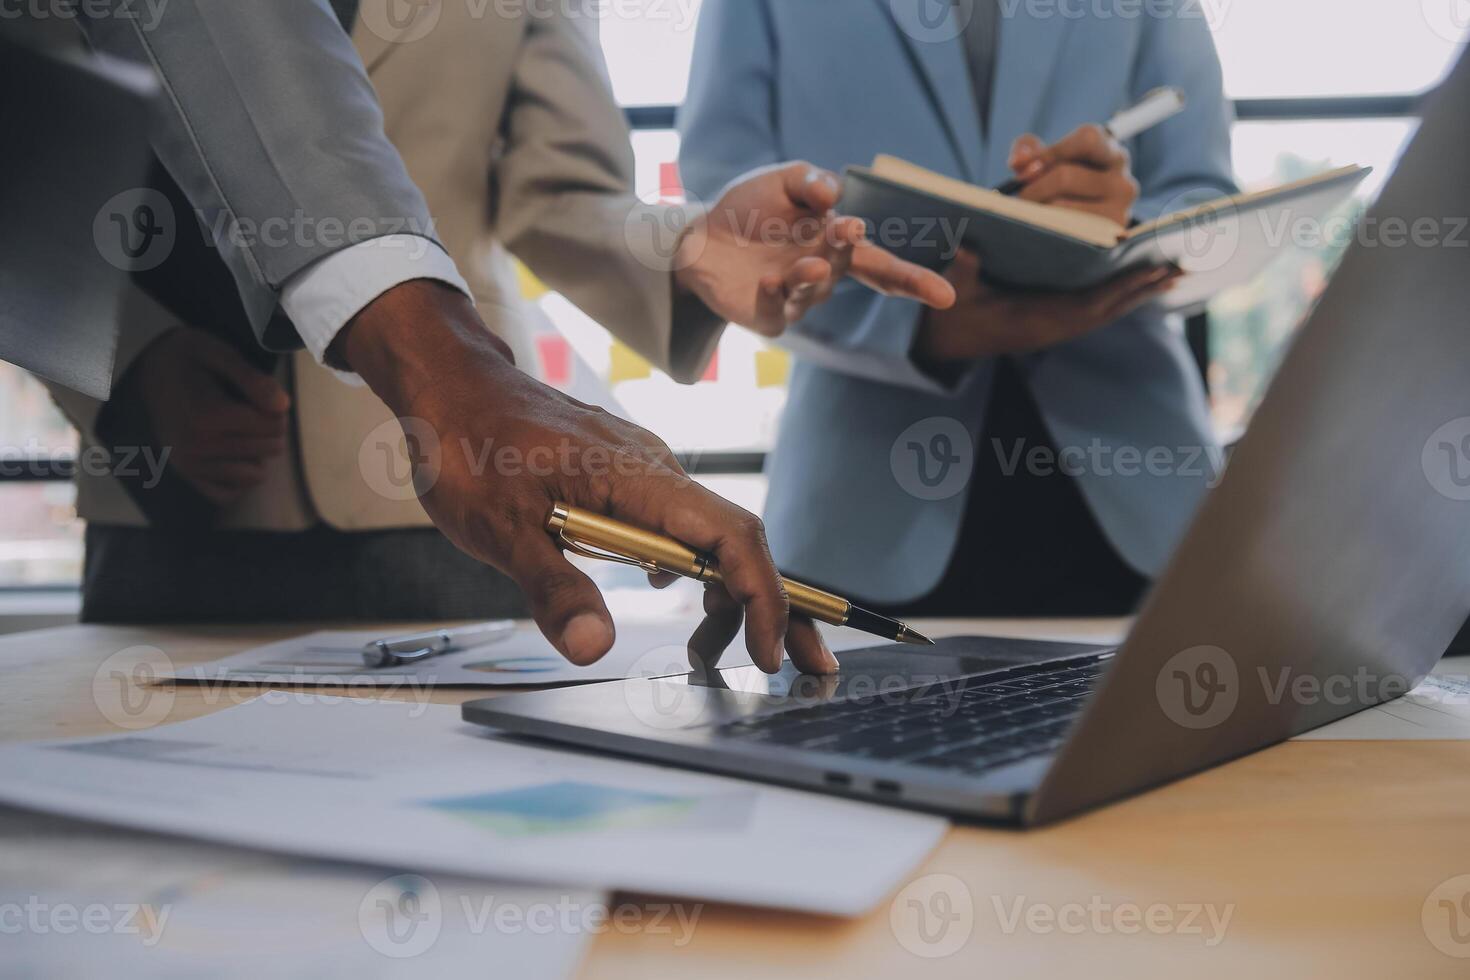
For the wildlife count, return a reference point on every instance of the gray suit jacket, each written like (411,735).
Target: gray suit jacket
(272,129)
(507,124)
(850,505)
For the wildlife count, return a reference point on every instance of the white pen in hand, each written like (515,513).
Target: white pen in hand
(1154,108)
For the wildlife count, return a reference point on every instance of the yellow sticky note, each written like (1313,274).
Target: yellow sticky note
(624,364)
(532,288)
(772,368)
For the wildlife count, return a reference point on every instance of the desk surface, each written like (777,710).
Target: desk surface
(1326,856)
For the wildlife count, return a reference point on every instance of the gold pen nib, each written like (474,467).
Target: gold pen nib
(908,634)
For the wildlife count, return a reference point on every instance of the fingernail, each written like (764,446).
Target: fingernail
(821,176)
(586,637)
(830,660)
(1032,169)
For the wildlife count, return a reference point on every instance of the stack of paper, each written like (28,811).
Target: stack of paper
(1436,710)
(411,786)
(84,901)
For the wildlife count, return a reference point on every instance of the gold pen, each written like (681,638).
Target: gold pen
(594,536)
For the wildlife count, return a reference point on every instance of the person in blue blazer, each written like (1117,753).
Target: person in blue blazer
(1020,454)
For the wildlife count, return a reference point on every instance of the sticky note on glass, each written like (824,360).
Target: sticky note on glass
(772,368)
(624,364)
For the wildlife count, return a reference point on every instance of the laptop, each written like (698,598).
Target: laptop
(1326,573)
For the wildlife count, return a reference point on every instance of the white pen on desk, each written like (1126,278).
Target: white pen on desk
(395,651)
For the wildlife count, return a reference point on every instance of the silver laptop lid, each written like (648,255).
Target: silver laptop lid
(1331,567)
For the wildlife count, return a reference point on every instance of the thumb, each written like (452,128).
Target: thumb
(258,388)
(564,602)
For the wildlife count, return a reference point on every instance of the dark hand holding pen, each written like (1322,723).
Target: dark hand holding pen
(1092,147)
(1087,170)
(665,559)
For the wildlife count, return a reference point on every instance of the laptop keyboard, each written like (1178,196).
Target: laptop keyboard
(965,725)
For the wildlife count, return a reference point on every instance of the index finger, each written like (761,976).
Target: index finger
(892,276)
(737,539)
(1090,145)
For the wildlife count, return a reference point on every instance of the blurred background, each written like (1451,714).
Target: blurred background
(1317,84)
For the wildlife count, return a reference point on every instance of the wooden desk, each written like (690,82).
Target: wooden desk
(1323,853)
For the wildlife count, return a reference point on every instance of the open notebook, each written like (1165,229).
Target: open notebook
(920,215)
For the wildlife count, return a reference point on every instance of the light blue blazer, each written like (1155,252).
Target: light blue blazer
(836,82)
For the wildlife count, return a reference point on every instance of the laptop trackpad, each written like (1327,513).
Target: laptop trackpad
(887,669)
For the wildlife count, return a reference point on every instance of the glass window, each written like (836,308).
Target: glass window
(40,537)
(1278,48)
(648,45)
(1269,48)
(1251,325)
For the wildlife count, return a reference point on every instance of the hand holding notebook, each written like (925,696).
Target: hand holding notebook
(1025,245)
(1018,322)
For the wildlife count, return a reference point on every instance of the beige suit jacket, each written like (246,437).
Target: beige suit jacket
(508,125)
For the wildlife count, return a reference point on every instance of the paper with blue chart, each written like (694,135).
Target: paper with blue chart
(412,787)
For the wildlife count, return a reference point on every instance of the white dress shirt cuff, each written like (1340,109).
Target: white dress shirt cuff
(321,298)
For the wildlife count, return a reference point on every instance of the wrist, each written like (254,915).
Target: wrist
(405,342)
(938,339)
(690,274)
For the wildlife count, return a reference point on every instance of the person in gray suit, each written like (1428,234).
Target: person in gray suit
(1017,454)
(273,136)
